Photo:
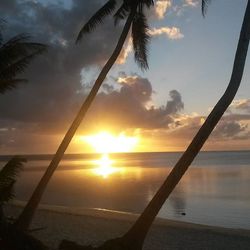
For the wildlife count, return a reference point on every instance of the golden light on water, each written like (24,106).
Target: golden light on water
(105,167)
(105,142)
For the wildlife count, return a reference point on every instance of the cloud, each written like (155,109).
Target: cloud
(235,123)
(161,7)
(192,3)
(127,107)
(171,32)
(55,81)
(127,49)
(175,104)
(229,129)
(180,8)
(241,105)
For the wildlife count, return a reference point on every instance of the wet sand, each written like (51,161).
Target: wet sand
(91,226)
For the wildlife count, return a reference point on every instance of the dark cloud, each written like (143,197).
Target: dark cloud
(242,105)
(235,123)
(55,91)
(175,104)
(229,129)
(127,107)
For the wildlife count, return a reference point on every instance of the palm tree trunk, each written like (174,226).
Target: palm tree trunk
(26,216)
(138,232)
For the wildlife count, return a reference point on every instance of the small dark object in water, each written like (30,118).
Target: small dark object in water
(183,213)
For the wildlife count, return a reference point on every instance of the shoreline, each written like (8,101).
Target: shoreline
(123,216)
(94,226)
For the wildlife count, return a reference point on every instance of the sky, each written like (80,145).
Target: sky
(190,63)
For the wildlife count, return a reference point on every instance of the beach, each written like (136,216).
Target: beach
(92,227)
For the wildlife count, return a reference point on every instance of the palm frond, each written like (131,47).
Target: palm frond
(10,71)
(18,47)
(140,39)
(15,55)
(122,12)
(204,5)
(2,23)
(97,18)
(8,176)
(147,3)
(6,85)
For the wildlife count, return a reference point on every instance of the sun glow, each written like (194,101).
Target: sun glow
(104,168)
(105,142)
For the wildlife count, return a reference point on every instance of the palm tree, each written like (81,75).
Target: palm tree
(15,55)
(132,11)
(134,238)
(136,235)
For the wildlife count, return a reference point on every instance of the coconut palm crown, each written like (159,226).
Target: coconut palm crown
(140,36)
(15,55)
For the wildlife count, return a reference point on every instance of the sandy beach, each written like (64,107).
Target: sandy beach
(93,226)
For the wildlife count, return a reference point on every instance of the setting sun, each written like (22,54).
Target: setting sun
(104,168)
(105,142)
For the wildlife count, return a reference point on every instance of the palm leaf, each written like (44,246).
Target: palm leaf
(97,18)
(10,84)
(1,29)
(140,39)
(204,5)
(122,12)
(15,55)
(7,192)
(18,47)
(8,176)
(148,3)
(2,22)
(18,66)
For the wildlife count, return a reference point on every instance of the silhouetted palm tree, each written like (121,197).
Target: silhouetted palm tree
(134,238)
(133,12)
(136,235)
(15,55)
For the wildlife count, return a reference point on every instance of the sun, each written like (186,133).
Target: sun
(105,142)
(104,168)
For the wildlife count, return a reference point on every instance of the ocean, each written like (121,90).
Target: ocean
(214,191)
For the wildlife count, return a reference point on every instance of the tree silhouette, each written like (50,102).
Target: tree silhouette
(8,175)
(133,12)
(134,238)
(15,55)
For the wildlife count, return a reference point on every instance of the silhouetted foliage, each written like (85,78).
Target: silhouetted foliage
(8,175)
(204,5)
(140,34)
(15,55)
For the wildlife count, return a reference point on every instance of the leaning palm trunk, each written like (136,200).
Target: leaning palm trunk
(140,229)
(26,216)
(134,238)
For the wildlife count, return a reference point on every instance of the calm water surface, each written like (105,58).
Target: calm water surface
(214,191)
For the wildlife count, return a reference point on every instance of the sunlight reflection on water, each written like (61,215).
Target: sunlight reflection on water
(207,194)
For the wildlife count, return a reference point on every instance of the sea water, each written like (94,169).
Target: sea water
(214,191)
